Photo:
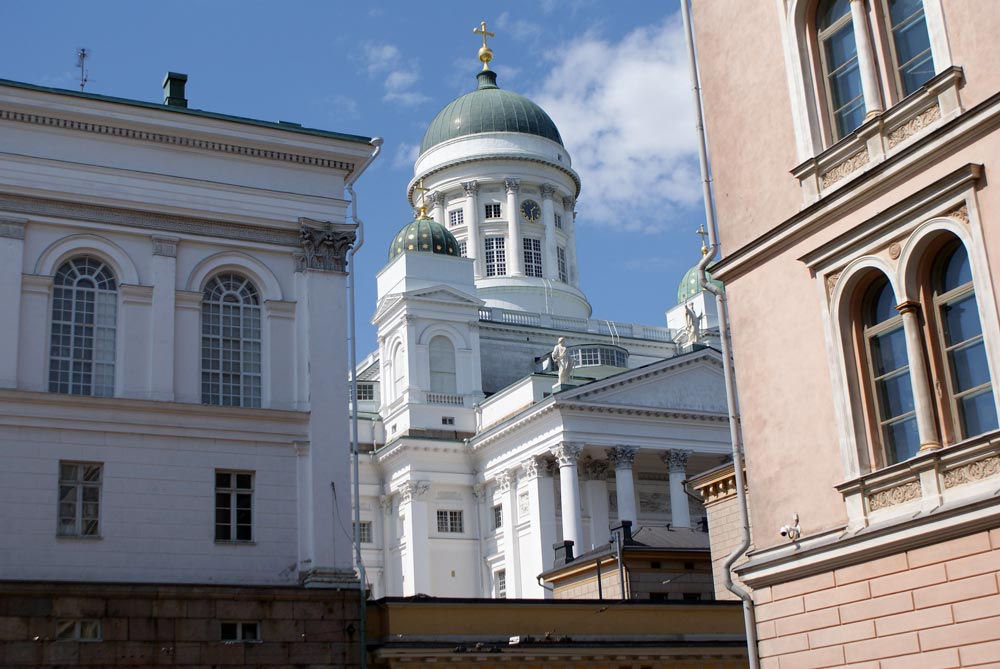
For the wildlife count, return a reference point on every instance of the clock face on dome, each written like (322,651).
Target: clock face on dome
(531,211)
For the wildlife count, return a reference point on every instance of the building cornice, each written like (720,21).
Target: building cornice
(492,157)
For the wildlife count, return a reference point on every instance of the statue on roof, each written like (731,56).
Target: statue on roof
(563,360)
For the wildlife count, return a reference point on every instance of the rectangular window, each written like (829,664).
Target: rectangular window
(366,392)
(78,629)
(501,583)
(450,521)
(463,248)
(532,256)
(496,256)
(493,210)
(365,532)
(79,499)
(239,631)
(456,217)
(561,260)
(498,516)
(447,420)
(559,221)
(233,506)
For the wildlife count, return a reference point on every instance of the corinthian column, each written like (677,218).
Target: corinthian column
(551,267)
(676,461)
(622,458)
(569,493)
(473,246)
(437,206)
(923,403)
(514,227)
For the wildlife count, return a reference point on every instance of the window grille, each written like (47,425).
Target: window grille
(561,260)
(233,506)
(559,221)
(230,342)
(449,522)
(493,210)
(463,248)
(456,217)
(496,256)
(84,311)
(79,499)
(365,532)
(498,516)
(366,392)
(532,256)
(501,583)
(591,356)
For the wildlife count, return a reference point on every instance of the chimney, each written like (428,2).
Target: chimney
(173,89)
(564,552)
(626,530)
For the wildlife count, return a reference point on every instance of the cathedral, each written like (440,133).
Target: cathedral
(497,419)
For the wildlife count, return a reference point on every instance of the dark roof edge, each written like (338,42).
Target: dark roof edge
(329,134)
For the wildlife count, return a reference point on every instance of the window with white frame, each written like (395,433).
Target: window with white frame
(911,45)
(463,248)
(442,365)
(592,356)
(561,261)
(500,583)
(456,217)
(398,371)
(237,631)
(497,516)
(496,256)
(841,70)
(559,221)
(493,210)
(365,532)
(230,342)
(366,391)
(84,314)
(233,506)
(80,499)
(78,629)
(532,256)
(449,521)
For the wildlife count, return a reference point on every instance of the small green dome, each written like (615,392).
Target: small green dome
(424,235)
(691,285)
(489,109)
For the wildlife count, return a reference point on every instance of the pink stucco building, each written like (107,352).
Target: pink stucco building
(855,148)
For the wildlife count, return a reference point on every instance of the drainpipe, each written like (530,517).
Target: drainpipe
(353,352)
(749,619)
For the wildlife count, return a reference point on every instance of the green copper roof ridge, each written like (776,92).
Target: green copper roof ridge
(276,125)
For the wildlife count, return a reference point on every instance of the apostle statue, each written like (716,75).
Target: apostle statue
(562,359)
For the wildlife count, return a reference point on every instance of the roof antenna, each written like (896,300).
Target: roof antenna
(81,61)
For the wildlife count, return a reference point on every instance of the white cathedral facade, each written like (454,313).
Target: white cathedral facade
(475,459)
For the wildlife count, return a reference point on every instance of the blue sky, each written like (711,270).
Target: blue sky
(613,76)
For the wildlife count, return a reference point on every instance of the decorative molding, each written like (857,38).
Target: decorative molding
(323,248)
(676,460)
(893,496)
(412,491)
(894,250)
(385,503)
(547,191)
(568,204)
(511,185)
(960,213)
(172,140)
(165,246)
(914,125)
(831,284)
(567,453)
(149,220)
(301,448)
(622,457)
(523,505)
(506,480)
(595,470)
(537,466)
(436,198)
(471,187)
(846,168)
(972,472)
(12,228)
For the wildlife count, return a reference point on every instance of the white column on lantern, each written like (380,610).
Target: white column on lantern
(437,207)
(470,212)
(676,461)
(569,227)
(514,227)
(550,269)
(622,458)
(566,455)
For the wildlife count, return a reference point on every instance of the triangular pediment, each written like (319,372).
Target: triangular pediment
(441,294)
(695,384)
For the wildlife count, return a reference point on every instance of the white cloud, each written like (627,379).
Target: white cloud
(626,113)
(345,106)
(520,29)
(399,78)
(405,155)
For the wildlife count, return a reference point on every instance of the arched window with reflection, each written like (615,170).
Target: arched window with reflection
(838,54)
(960,334)
(442,365)
(230,342)
(84,314)
(889,374)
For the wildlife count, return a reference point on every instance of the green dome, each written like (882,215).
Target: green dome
(489,109)
(691,285)
(424,235)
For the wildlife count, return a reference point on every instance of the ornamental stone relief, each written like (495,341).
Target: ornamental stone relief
(323,248)
(653,502)
(523,505)
(831,284)
(972,472)
(914,125)
(846,168)
(413,490)
(893,496)
(960,213)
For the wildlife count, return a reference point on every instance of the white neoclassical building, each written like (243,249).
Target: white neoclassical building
(476,460)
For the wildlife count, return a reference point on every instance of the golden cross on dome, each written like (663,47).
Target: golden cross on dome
(485,52)
(423,207)
(701,233)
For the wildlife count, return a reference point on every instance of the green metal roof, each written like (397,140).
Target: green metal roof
(424,235)
(691,285)
(280,125)
(489,109)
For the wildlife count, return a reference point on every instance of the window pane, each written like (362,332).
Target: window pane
(895,395)
(903,441)
(250,631)
(840,48)
(979,413)
(969,368)
(832,10)
(229,632)
(889,352)
(961,320)
(957,271)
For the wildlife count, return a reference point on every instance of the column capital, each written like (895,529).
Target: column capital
(385,502)
(511,185)
(536,467)
(910,306)
(548,190)
(676,460)
(324,245)
(622,457)
(12,228)
(506,480)
(568,203)
(412,491)
(479,490)
(567,453)
(595,470)
(471,187)
(165,246)
(436,198)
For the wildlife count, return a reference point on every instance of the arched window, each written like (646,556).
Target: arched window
(442,364)
(911,45)
(839,58)
(84,311)
(960,334)
(398,371)
(888,372)
(230,342)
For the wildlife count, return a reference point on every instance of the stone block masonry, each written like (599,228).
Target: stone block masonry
(935,606)
(179,625)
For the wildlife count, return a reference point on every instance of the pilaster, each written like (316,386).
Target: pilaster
(538,556)
(507,487)
(416,530)
(11,267)
(595,495)
(33,350)
(164,274)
